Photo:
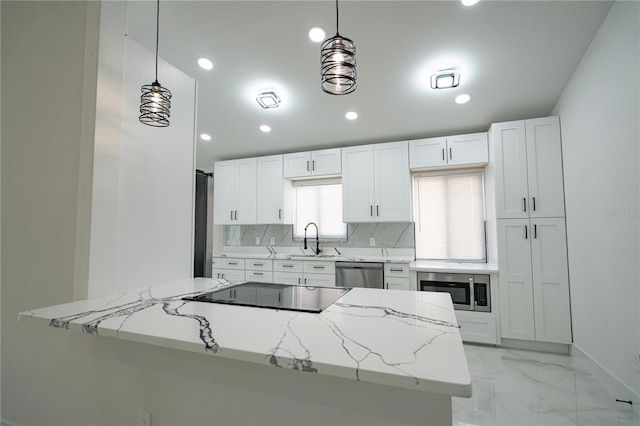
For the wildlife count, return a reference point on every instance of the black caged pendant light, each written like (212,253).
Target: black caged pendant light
(338,63)
(155,100)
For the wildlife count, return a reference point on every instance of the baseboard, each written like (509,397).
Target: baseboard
(556,348)
(615,386)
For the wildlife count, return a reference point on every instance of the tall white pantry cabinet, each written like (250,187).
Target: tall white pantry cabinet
(532,248)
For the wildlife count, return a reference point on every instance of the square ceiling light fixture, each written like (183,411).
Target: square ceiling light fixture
(268,100)
(445,79)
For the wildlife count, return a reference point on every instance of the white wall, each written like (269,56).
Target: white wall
(50,81)
(157,178)
(599,112)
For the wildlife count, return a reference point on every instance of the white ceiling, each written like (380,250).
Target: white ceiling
(515,57)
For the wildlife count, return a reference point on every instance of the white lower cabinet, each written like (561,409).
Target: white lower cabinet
(396,276)
(297,272)
(228,268)
(259,270)
(477,327)
(534,280)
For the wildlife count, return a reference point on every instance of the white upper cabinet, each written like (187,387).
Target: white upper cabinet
(376,184)
(460,150)
(275,194)
(325,162)
(528,163)
(235,192)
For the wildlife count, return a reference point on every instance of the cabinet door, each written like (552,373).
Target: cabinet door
(358,196)
(468,149)
(424,153)
(223,192)
(392,182)
(275,201)
(515,279)
(231,275)
(326,162)
(511,169)
(550,280)
(297,164)
(544,165)
(395,283)
(246,191)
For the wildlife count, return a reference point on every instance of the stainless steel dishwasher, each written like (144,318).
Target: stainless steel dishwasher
(359,274)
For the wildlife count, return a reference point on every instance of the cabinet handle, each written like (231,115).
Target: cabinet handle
(526,235)
(313,165)
(377,210)
(534,203)
(318,267)
(395,269)
(524,204)
(298,281)
(232,263)
(279,213)
(535,231)
(258,264)
(305,281)
(258,273)
(450,154)
(442,154)
(231,214)
(287,266)
(307,165)
(371,210)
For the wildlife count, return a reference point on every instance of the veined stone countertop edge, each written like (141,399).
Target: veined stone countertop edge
(389,337)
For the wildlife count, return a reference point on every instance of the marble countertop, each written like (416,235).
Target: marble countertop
(326,258)
(452,267)
(391,337)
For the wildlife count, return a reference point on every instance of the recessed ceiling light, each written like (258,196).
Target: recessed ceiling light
(462,99)
(265,128)
(445,79)
(205,137)
(205,63)
(316,34)
(268,100)
(469,2)
(351,115)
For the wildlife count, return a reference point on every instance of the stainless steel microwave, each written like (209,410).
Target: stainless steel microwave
(468,292)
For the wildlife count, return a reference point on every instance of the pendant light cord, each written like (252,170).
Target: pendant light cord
(337,12)
(158,35)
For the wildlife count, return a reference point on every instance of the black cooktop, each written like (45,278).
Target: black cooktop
(274,296)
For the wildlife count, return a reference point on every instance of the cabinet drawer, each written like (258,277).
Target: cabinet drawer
(477,327)
(287,278)
(228,263)
(319,267)
(259,265)
(396,270)
(261,277)
(321,280)
(287,266)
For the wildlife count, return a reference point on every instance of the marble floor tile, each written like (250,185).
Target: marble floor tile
(517,387)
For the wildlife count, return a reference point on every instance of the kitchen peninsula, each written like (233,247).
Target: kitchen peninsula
(375,356)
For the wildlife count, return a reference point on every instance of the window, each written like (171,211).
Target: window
(449,216)
(319,201)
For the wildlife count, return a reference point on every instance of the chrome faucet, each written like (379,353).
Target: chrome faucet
(317,250)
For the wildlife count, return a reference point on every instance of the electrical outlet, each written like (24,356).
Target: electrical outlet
(272,241)
(372,242)
(257,241)
(144,418)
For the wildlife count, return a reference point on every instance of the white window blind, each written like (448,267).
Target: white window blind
(320,203)
(449,216)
